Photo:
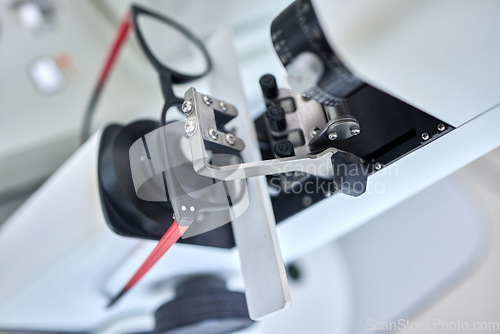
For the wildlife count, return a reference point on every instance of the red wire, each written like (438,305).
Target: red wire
(175,231)
(169,238)
(120,37)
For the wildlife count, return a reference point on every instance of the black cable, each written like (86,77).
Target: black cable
(89,114)
(120,38)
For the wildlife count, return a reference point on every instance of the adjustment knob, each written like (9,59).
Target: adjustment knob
(269,86)
(276,117)
(203,304)
(284,149)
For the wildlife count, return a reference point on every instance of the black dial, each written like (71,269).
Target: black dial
(312,65)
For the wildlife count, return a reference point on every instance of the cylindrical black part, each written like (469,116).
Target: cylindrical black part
(269,86)
(276,116)
(191,285)
(284,148)
(203,304)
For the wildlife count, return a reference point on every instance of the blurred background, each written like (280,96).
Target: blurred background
(435,256)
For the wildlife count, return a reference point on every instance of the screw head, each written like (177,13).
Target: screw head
(307,200)
(332,135)
(378,166)
(231,139)
(214,134)
(190,127)
(183,208)
(355,131)
(223,105)
(207,100)
(425,136)
(306,97)
(187,107)
(441,127)
(192,208)
(315,131)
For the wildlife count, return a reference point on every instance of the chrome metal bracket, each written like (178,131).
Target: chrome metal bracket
(201,128)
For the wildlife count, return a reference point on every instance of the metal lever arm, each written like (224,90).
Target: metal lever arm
(202,132)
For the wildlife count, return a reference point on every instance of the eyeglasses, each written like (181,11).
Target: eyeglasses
(168,76)
(156,34)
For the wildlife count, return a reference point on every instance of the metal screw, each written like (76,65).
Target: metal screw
(425,136)
(306,97)
(214,134)
(207,100)
(441,127)
(187,107)
(222,105)
(190,127)
(355,131)
(192,209)
(231,139)
(378,166)
(332,135)
(183,208)
(315,131)
(306,201)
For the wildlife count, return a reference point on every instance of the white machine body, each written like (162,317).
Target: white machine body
(441,57)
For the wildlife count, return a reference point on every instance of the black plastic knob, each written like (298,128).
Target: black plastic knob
(284,149)
(269,86)
(203,304)
(276,117)
(350,174)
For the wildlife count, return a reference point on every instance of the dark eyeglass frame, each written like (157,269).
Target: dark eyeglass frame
(168,76)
